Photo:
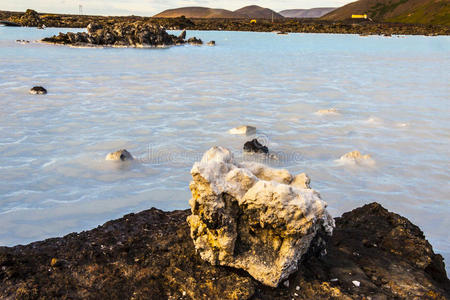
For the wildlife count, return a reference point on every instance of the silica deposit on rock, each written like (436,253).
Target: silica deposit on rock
(251,217)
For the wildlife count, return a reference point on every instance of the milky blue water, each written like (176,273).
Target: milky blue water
(168,106)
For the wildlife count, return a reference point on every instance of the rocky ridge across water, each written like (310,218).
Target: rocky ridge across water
(136,34)
(284,25)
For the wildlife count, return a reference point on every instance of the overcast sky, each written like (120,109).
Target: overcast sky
(151,7)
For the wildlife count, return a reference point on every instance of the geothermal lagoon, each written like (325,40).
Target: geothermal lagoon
(312,98)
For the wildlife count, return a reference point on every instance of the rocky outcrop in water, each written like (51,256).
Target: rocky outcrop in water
(137,34)
(247,216)
(119,155)
(38,90)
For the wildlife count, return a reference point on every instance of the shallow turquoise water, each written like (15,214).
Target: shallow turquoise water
(168,106)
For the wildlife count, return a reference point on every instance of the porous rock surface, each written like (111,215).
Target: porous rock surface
(248,216)
(150,255)
(124,34)
(30,19)
(119,155)
(254,146)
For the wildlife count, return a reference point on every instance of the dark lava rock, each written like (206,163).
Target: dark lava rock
(150,255)
(254,146)
(30,19)
(9,23)
(38,90)
(195,41)
(182,35)
(125,34)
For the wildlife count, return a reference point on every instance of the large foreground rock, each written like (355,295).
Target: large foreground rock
(124,34)
(150,255)
(248,216)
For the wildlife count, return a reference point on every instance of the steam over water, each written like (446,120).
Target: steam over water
(168,106)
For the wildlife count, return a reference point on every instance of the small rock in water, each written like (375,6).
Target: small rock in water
(356,157)
(195,41)
(254,146)
(38,90)
(329,111)
(356,283)
(121,155)
(211,43)
(22,41)
(243,130)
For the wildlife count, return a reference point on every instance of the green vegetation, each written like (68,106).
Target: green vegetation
(436,13)
(378,11)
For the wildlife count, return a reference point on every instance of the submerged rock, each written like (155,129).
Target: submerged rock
(38,90)
(328,111)
(119,155)
(245,129)
(150,255)
(254,146)
(249,217)
(355,157)
(122,34)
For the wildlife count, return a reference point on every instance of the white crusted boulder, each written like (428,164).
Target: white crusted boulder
(253,217)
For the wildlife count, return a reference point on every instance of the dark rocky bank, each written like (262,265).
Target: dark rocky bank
(150,255)
(284,25)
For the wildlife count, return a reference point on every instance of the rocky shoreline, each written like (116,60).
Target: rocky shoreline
(373,254)
(31,18)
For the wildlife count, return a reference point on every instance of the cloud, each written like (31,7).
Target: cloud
(151,7)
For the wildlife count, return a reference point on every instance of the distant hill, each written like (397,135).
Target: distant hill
(258,12)
(306,13)
(403,11)
(199,12)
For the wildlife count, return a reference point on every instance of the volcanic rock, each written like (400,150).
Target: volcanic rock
(30,19)
(150,255)
(195,41)
(251,218)
(119,155)
(245,129)
(38,90)
(124,34)
(254,146)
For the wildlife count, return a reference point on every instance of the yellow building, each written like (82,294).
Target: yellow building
(359,16)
